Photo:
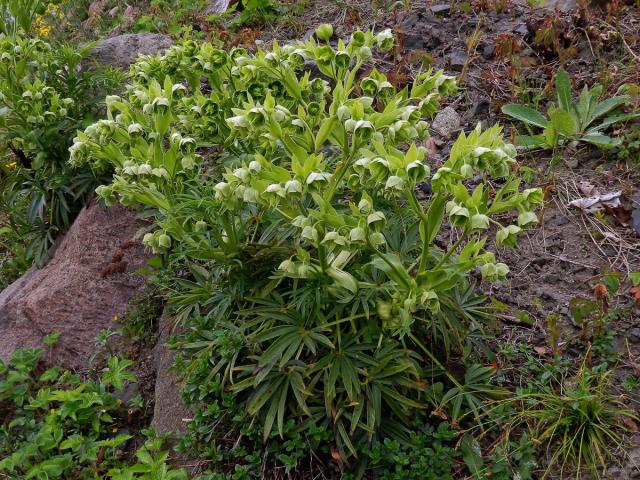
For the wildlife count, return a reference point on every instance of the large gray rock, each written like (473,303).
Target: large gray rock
(78,293)
(123,50)
(170,415)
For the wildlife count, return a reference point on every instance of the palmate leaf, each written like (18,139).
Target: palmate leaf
(273,397)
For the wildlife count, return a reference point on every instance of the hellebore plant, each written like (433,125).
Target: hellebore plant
(44,98)
(320,289)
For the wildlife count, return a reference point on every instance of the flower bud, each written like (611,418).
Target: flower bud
(293,186)
(395,182)
(358,39)
(365,53)
(479,221)
(164,240)
(324,32)
(145,169)
(508,236)
(343,113)
(357,234)
(384,40)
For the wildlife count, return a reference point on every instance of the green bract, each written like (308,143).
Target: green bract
(318,292)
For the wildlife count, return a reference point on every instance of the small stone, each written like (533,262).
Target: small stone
(131,390)
(440,8)
(572,162)
(414,42)
(634,332)
(487,51)
(217,7)
(480,107)
(425,187)
(123,50)
(560,221)
(552,278)
(521,29)
(447,122)
(544,295)
(458,59)
(540,261)
(635,217)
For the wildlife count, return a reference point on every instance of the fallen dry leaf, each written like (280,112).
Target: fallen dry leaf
(587,188)
(635,291)
(541,350)
(629,423)
(597,203)
(432,148)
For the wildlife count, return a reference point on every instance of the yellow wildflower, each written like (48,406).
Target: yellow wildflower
(43,28)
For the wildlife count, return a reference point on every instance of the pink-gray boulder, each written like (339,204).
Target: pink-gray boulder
(78,293)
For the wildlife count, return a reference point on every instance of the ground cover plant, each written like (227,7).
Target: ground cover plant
(57,425)
(318,293)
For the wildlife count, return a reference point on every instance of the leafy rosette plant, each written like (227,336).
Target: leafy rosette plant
(321,287)
(584,119)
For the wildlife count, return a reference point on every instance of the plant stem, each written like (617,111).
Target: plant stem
(452,249)
(415,204)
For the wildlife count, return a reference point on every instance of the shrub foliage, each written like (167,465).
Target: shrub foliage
(321,288)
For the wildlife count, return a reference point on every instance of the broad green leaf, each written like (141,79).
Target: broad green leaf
(525,114)
(608,105)
(325,131)
(564,122)
(435,215)
(529,141)
(563,89)
(613,119)
(472,456)
(601,140)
